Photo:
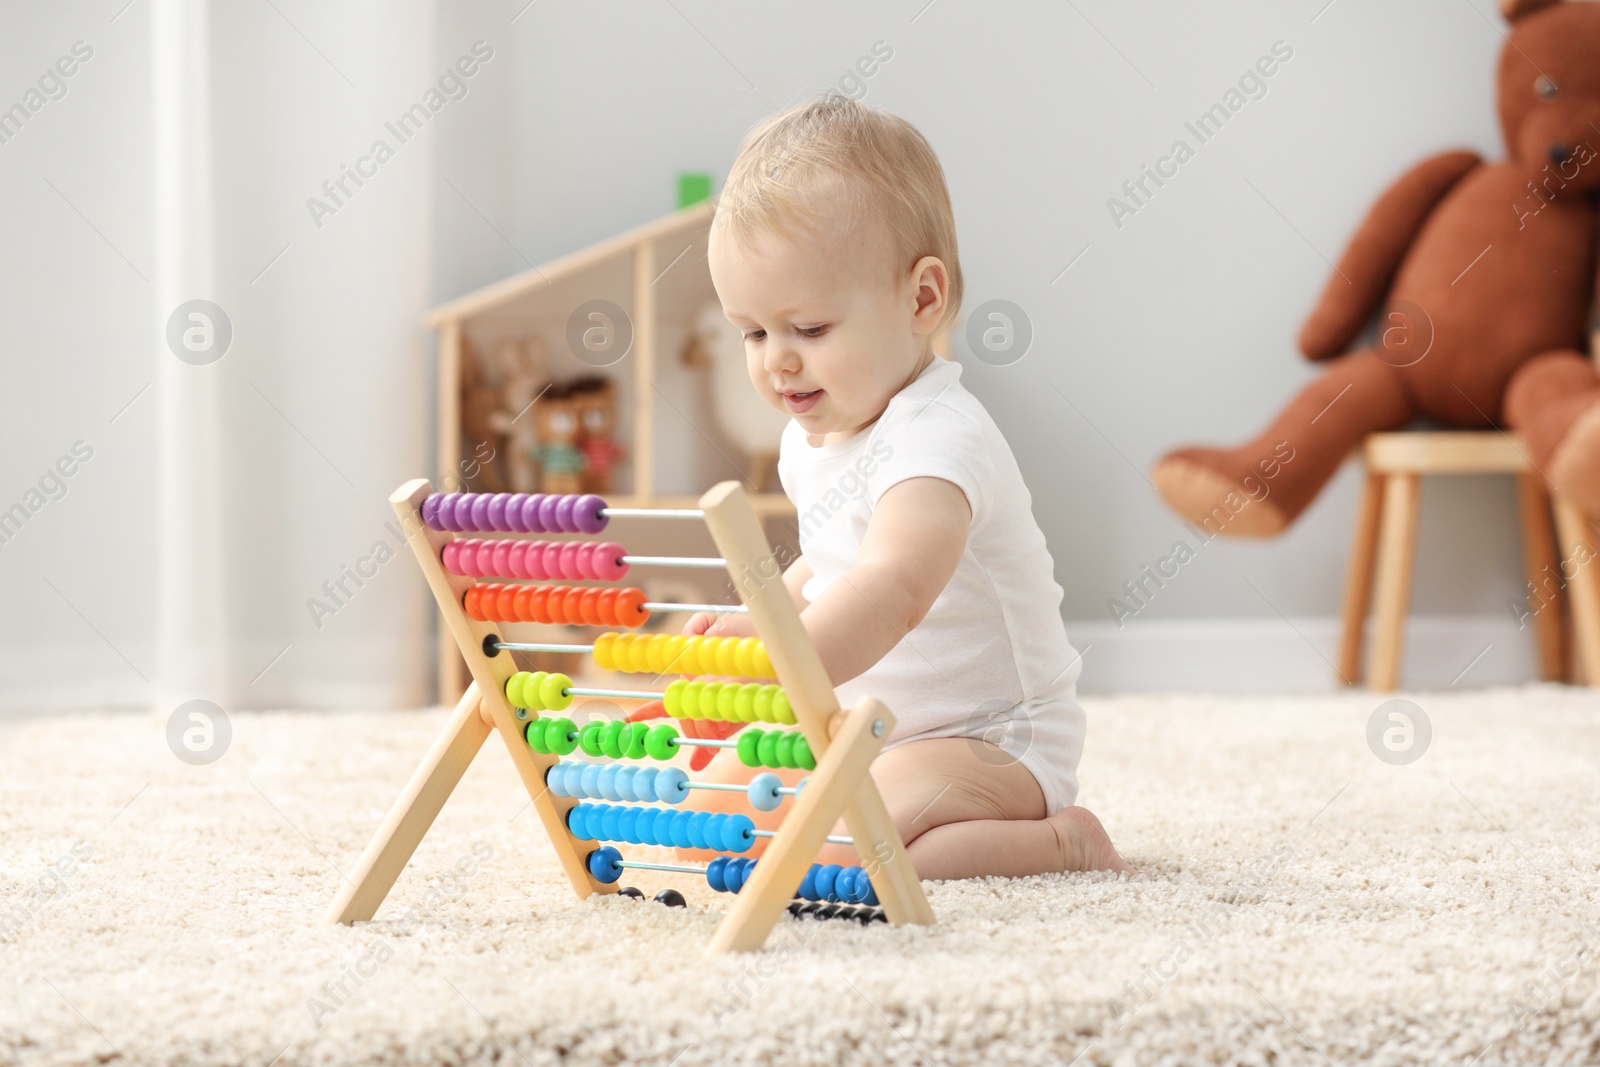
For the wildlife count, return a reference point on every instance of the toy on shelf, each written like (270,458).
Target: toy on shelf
(754,427)
(520,364)
(560,461)
(596,398)
(640,802)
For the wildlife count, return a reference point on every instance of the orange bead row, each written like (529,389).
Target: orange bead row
(572,605)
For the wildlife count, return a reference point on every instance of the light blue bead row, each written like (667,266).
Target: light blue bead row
(617,781)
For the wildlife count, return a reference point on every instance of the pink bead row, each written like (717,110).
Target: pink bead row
(540,560)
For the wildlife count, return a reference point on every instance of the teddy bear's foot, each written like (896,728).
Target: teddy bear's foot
(1214,501)
(1574,467)
(1554,402)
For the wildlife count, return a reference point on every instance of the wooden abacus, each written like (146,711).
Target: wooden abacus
(840,745)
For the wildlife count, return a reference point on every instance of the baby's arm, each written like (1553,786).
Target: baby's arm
(913,543)
(796,577)
(914,540)
(738,624)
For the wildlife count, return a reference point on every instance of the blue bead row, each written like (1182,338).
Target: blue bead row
(661,826)
(849,885)
(728,874)
(604,865)
(617,781)
(830,882)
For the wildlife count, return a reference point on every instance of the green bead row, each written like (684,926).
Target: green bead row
(728,701)
(552,736)
(775,748)
(636,740)
(618,740)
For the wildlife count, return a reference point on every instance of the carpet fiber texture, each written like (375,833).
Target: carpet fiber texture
(1300,900)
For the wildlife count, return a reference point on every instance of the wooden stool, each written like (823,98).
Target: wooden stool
(1386,534)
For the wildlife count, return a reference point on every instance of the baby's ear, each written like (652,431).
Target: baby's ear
(1516,9)
(931,282)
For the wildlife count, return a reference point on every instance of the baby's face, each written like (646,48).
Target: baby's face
(828,324)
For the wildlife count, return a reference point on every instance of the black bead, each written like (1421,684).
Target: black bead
(862,916)
(878,916)
(808,910)
(827,911)
(671,898)
(630,891)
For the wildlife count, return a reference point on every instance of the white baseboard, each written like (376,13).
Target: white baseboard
(352,674)
(1292,656)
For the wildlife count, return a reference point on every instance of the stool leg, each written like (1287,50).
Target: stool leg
(1358,580)
(1578,546)
(1396,551)
(1539,558)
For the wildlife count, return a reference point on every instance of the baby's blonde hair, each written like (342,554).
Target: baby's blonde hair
(836,144)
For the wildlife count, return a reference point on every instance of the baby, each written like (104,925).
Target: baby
(923,579)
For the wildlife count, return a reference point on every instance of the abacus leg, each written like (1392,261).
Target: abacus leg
(744,546)
(840,773)
(402,830)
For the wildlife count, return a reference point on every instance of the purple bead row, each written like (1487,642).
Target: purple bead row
(515,512)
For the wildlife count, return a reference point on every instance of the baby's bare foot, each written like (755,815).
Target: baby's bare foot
(1084,842)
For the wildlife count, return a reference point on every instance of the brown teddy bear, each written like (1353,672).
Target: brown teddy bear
(1485,274)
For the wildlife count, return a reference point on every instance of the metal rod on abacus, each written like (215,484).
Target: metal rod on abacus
(675,868)
(694,607)
(654,513)
(732,788)
(536,646)
(627,694)
(675,561)
(832,839)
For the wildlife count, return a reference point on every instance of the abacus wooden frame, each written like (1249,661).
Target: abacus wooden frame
(844,744)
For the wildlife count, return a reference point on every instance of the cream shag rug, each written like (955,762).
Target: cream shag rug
(1301,901)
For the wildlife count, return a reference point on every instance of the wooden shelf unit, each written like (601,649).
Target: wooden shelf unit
(657,273)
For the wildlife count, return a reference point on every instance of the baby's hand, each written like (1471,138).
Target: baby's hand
(712,624)
(720,624)
(704,729)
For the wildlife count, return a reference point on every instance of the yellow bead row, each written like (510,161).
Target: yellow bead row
(741,657)
(728,701)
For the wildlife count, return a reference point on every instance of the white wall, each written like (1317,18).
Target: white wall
(74,297)
(323,392)
(1177,327)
